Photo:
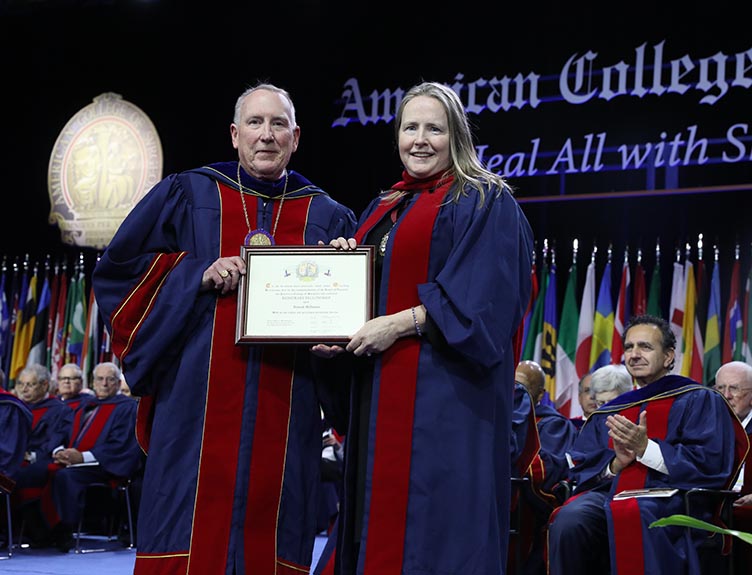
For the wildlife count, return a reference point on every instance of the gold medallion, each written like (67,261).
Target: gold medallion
(259,237)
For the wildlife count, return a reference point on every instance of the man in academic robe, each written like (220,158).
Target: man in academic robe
(15,429)
(102,448)
(670,432)
(555,431)
(734,381)
(556,435)
(50,428)
(70,385)
(233,431)
(51,425)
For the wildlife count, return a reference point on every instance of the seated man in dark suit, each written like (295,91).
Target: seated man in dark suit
(102,448)
(670,432)
(51,426)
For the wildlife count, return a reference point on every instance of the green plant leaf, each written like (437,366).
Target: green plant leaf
(687,521)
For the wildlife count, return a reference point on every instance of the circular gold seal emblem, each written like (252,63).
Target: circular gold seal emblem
(104,161)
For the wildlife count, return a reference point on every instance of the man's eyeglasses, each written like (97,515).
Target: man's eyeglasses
(67,379)
(25,384)
(109,379)
(732,389)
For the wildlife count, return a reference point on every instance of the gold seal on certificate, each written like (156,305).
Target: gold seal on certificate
(304,294)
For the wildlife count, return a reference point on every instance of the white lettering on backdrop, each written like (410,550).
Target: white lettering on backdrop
(584,79)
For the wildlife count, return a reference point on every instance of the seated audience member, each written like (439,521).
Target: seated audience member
(556,432)
(15,429)
(556,435)
(51,426)
(52,423)
(609,382)
(70,384)
(670,432)
(734,381)
(585,399)
(530,374)
(103,437)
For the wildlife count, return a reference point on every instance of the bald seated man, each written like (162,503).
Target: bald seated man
(531,375)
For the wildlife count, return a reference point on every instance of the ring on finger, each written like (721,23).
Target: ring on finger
(224,274)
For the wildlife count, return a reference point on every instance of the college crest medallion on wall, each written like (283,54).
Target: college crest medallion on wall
(104,161)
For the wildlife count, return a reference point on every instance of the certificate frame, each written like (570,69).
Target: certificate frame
(304,294)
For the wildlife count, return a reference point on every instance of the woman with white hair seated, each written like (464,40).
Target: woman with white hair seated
(609,382)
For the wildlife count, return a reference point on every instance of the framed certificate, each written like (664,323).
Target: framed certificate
(304,294)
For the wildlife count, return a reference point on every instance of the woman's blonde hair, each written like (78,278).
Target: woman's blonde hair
(466,168)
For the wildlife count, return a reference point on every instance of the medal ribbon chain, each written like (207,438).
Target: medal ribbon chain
(245,210)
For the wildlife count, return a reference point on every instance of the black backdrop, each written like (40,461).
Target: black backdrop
(184,63)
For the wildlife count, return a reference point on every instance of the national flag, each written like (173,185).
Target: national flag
(712,356)
(90,350)
(38,349)
(693,351)
(75,318)
(622,314)
(603,323)
(530,304)
(732,332)
(50,330)
(654,296)
(585,322)
(13,304)
(4,317)
(676,310)
(550,334)
(57,350)
(534,339)
(701,307)
(105,351)
(701,314)
(24,326)
(520,335)
(566,350)
(639,293)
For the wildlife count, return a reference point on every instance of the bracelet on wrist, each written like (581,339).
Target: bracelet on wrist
(418,331)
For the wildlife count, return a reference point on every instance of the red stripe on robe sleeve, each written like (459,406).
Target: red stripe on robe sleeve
(127,318)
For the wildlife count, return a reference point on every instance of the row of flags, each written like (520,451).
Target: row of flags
(571,340)
(49,316)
